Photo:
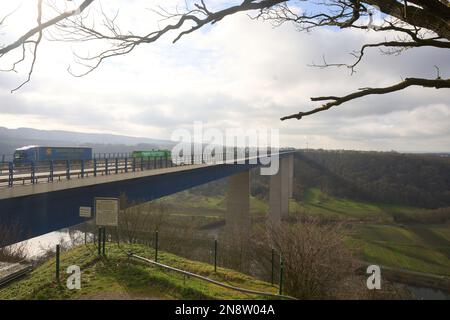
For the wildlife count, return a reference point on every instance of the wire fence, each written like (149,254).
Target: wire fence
(256,261)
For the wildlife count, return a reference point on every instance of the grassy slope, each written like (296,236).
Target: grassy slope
(214,205)
(417,248)
(118,277)
(317,203)
(424,248)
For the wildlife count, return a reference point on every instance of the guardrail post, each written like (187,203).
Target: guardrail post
(106,166)
(126,164)
(95,167)
(33,174)
(51,171)
(68,169)
(117,165)
(57,257)
(156,246)
(133,165)
(11,174)
(281,275)
(82,168)
(215,255)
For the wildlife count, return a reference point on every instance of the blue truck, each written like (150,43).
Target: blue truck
(29,154)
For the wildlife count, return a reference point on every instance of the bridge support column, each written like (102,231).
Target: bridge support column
(238,202)
(281,188)
(291,175)
(235,239)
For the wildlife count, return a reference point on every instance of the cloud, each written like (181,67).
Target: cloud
(238,73)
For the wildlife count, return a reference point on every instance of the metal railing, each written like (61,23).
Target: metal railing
(49,171)
(221,284)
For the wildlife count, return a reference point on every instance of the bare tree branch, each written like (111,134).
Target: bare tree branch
(36,45)
(409,24)
(26,38)
(40,27)
(336,101)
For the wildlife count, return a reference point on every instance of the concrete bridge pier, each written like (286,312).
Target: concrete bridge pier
(281,189)
(238,203)
(234,241)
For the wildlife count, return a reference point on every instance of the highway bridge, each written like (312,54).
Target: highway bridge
(46,197)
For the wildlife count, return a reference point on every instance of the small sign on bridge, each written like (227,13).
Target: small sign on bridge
(85,212)
(107,212)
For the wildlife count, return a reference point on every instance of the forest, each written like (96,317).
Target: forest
(416,180)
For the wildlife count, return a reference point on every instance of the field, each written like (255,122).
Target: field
(417,248)
(117,277)
(375,237)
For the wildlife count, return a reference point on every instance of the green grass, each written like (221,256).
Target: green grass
(378,239)
(419,248)
(197,204)
(116,276)
(315,202)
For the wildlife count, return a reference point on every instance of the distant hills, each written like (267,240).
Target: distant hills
(10,139)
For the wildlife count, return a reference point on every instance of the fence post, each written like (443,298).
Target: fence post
(33,175)
(82,168)
(95,167)
(58,249)
(104,241)
(68,169)
(215,255)
(117,165)
(106,166)
(126,164)
(167,163)
(148,163)
(51,171)
(99,241)
(156,246)
(11,174)
(273,267)
(281,275)
(133,166)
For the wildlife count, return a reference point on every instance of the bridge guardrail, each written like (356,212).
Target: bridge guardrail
(49,171)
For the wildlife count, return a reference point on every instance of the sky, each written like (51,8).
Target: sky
(239,73)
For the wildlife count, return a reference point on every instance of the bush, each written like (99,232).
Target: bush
(315,258)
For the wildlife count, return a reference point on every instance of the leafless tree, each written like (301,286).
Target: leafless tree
(315,258)
(11,253)
(408,24)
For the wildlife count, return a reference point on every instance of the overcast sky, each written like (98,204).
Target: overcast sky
(238,73)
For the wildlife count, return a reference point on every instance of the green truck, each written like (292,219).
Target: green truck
(151,154)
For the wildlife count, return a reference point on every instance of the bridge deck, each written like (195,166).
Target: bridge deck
(44,187)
